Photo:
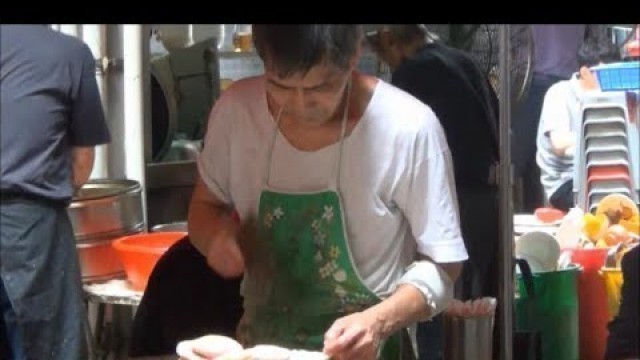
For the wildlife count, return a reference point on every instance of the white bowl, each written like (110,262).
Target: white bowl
(540,249)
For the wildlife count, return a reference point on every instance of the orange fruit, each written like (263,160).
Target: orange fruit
(615,235)
(632,225)
(617,207)
(594,226)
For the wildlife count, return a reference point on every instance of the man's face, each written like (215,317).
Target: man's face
(311,98)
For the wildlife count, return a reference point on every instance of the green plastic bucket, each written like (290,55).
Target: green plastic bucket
(547,303)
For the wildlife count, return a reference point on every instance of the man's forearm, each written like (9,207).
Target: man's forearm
(400,310)
(81,165)
(207,219)
(408,303)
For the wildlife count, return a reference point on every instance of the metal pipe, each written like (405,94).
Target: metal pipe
(134,93)
(506,198)
(70,29)
(96,38)
(190,30)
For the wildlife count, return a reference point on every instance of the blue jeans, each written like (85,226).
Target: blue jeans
(10,337)
(41,277)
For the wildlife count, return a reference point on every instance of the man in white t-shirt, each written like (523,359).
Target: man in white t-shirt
(347,182)
(554,59)
(561,118)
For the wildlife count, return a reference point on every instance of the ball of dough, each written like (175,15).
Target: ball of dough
(236,355)
(208,345)
(269,352)
(308,355)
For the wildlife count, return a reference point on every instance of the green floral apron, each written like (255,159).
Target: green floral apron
(308,279)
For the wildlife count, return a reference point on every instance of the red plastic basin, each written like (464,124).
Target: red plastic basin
(139,254)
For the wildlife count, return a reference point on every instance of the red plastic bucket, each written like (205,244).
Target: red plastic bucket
(593,313)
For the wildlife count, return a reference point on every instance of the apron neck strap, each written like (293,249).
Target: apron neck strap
(334,181)
(343,131)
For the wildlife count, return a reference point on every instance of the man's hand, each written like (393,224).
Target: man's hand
(561,141)
(354,337)
(224,256)
(234,248)
(213,230)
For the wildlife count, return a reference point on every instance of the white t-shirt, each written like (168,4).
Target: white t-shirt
(561,110)
(396,180)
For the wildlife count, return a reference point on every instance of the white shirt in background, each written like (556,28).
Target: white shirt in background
(561,110)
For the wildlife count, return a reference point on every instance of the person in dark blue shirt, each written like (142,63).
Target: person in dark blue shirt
(51,119)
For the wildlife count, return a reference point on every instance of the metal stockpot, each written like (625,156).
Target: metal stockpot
(102,211)
(180,226)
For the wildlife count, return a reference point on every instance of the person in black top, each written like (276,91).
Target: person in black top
(623,339)
(184,299)
(450,82)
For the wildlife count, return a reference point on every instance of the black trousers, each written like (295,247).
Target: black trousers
(562,198)
(184,299)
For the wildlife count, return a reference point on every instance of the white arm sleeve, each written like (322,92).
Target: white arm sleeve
(213,163)
(431,207)
(555,114)
(433,282)
(428,199)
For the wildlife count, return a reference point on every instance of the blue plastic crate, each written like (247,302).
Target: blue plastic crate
(622,76)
